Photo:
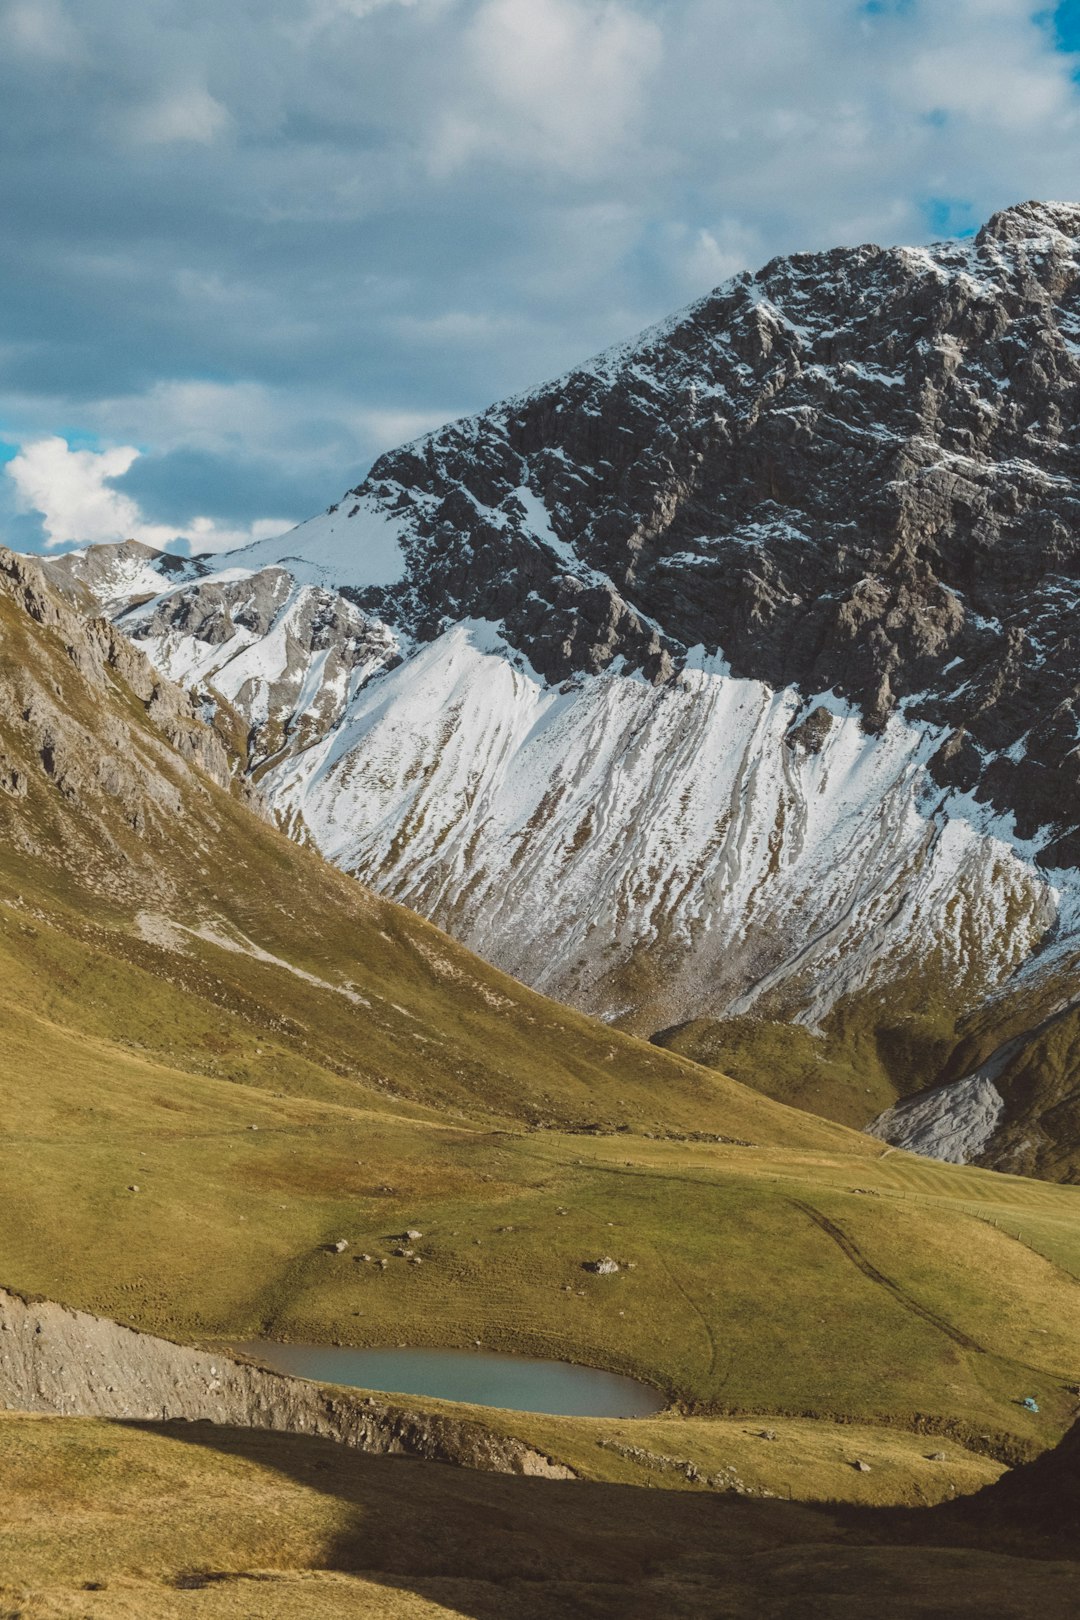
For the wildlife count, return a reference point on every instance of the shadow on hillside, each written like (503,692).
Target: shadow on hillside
(498,1547)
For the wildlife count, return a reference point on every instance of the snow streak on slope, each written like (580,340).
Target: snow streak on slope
(953,1123)
(686,819)
(290,656)
(356,545)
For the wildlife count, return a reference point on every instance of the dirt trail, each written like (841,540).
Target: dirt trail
(855,1255)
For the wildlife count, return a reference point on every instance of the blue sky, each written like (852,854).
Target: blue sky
(246,247)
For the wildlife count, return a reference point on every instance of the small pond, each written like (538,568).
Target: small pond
(476,1376)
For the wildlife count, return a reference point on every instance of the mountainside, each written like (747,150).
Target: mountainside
(243,1097)
(729,680)
(145,900)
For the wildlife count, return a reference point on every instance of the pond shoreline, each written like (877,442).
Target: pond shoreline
(476,1377)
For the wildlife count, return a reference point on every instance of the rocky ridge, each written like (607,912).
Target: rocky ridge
(84,713)
(732,674)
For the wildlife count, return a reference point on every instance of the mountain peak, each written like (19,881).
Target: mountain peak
(1030,219)
(732,674)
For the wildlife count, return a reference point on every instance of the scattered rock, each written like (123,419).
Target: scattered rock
(767,1434)
(133,1188)
(936,1456)
(413,1236)
(382,1264)
(861,1467)
(725,1479)
(339,1247)
(416,1260)
(605,1267)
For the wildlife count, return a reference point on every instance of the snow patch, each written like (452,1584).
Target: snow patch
(677,815)
(358,545)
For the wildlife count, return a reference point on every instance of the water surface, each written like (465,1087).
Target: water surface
(477,1376)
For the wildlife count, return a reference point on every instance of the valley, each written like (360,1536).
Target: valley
(249,1098)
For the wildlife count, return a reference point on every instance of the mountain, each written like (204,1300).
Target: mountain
(726,687)
(233,1077)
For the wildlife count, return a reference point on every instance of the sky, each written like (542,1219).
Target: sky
(249,246)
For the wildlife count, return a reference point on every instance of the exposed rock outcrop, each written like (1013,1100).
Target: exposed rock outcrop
(87,718)
(53,1359)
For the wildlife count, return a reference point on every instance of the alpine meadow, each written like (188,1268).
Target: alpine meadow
(540,1008)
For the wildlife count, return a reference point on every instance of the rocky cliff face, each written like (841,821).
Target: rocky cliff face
(98,749)
(733,674)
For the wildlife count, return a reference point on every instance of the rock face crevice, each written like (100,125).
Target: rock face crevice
(53,1359)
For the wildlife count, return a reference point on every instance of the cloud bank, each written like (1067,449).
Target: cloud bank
(263,243)
(73,493)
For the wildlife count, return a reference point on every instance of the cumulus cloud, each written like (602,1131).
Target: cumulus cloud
(187,114)
(355,217)
(73,491)
(553,83)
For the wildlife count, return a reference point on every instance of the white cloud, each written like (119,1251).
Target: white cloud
(71,490)
(549,83)
(199,414)
(387,429)
(40,28)
(188,114)
(361,216)
(322,13)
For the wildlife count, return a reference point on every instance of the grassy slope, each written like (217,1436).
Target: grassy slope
(803,1273)
(868,1054)
(285,1527)
(872,1049)
(737,1299)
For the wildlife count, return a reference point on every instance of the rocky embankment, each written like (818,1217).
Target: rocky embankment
(68,1362)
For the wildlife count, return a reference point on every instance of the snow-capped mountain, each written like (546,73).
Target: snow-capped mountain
(730,679)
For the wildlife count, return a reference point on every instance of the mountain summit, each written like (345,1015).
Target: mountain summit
(726,682)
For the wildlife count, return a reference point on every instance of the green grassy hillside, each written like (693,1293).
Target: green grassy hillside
(284,1527)
(866,1056)
(196,1007)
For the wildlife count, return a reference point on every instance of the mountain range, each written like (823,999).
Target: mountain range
(725,688)
(233,1077)
(249,1099)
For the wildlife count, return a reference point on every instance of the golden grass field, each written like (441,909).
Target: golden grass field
(123,1522)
